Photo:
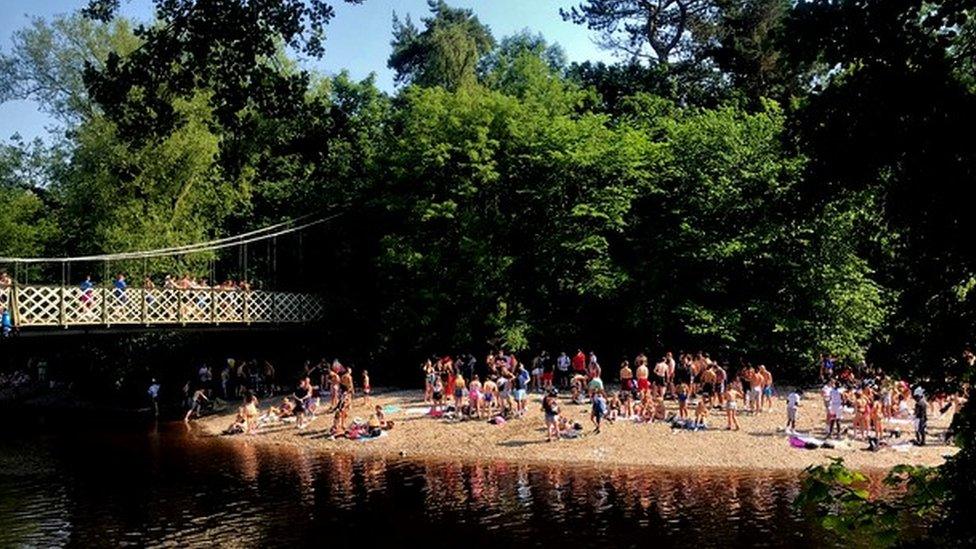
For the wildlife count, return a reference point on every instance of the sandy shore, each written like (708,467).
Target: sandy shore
(760,444)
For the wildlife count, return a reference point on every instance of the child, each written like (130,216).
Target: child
(683,401)
(627,404)
(701,412)
(792,403)
(614,405)
(599,409)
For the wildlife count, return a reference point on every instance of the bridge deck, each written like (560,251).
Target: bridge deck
(72,306)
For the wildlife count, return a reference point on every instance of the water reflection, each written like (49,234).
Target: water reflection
(166,488)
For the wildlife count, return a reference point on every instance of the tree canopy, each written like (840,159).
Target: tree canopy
(761,181)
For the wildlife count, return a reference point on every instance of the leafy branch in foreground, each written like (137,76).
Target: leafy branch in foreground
(911,496)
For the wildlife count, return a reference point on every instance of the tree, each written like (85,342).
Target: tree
(866,131)
(228,47)
(26,227)
(655,31)
(446,53)
(47,63)
(746,40)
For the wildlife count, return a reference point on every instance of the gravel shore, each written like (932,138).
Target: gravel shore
(760,444)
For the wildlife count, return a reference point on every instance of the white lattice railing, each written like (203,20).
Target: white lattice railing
(72,306)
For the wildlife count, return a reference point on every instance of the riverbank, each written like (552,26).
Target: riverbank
(760,444)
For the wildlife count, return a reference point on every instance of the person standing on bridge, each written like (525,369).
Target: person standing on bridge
(87,291)
(120,286)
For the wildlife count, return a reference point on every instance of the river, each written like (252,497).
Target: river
(90,484)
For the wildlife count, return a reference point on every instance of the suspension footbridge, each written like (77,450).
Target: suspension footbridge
(111,303)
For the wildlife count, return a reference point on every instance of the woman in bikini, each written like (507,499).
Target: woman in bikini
(475,400)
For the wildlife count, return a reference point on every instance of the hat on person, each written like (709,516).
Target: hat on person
(919,392)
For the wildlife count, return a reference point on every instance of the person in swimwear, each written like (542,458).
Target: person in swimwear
(367,389)
(860,415)
(458,392)
(767,385)
(626,376)
(731,407)
(701,412)
(550,409)
(683,401)
(643,385)
(660,384)
(490,395)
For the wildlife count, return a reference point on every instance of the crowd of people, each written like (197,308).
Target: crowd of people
(186,282)
(323,387)
(497,388)
(690,391)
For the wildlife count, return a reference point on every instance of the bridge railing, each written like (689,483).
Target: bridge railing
(38,305)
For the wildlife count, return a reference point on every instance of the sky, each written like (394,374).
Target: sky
(358,39)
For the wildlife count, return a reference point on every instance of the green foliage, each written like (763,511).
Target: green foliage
(121,196)
(47,60)
(446,53)
(850,512)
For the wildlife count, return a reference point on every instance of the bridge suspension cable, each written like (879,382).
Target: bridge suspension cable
(279,229)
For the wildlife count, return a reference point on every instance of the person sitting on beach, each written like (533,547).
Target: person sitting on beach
(384,423)
(613,407)
(287,408)
(627,404)
(701,412)
(644,409)
(238,425)
(660,412)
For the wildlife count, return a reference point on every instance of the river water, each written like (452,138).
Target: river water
(92,485)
